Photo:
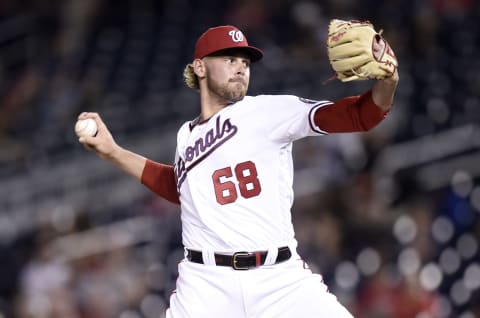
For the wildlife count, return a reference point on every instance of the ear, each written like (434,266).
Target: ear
(199,67)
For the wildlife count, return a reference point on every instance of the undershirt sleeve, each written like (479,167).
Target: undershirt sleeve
(160,179)
(349,114)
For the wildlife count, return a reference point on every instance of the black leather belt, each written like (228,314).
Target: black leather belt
(241,260)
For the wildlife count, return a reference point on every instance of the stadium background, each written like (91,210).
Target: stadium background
(390,218)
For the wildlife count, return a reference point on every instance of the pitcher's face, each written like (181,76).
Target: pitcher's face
(228,75)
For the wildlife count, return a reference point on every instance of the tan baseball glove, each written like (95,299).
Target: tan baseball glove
(357,52)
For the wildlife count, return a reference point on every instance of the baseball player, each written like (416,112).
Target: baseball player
(233,176)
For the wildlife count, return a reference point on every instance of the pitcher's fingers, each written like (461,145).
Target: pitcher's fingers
(85,115)
(100,124)
(88,140)
(85,144)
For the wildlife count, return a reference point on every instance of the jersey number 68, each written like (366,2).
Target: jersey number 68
(247,181)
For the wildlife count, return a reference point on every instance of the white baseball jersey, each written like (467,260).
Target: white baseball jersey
(235,173)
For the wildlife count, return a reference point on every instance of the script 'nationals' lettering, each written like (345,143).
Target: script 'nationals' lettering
(204,146)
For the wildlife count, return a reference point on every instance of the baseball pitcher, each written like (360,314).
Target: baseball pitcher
(233,174)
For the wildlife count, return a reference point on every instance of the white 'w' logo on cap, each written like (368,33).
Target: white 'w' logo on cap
(236,36)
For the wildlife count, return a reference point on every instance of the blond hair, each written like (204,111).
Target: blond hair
(190,78)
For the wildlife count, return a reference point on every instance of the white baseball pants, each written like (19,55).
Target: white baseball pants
(284,290)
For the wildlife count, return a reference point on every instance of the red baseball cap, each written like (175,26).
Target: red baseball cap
(225,37)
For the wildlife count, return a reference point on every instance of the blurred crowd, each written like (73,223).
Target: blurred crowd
(390,218)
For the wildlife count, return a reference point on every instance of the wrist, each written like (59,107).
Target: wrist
(115,153)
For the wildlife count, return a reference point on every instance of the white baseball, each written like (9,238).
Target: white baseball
(86,127)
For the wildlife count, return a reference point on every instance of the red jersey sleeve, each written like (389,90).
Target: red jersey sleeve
(349,114)
(160,178)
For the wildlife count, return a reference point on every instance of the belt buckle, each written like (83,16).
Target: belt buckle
(234,260)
